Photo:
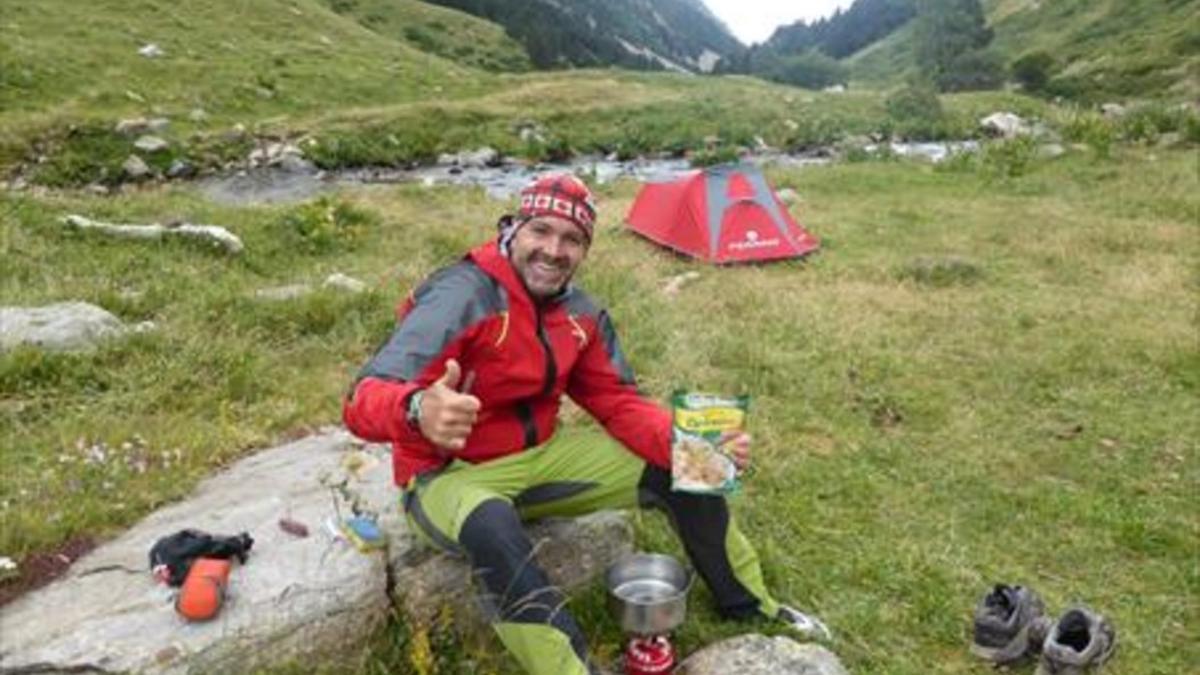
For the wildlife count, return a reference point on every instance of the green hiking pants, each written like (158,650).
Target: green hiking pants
(477,510)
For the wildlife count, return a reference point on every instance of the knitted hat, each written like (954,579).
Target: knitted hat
(552,194)
(562,195)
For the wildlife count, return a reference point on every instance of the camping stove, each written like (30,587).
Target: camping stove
(649,655)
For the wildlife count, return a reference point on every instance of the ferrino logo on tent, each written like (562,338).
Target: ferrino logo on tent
(722,214)
(752,241)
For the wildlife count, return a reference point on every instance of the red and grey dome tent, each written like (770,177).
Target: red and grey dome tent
(721,214)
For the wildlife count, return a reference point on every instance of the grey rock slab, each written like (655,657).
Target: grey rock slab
(573,552)
(344,282)
(133,126)
(135,167)
(756,654)
(289,292)
(295,599)
(1051,150)
(64,326)
(150,143)
(1005,125)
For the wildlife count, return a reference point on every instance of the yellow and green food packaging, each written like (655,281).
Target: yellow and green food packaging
(698,463)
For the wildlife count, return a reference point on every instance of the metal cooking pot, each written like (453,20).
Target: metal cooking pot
(647,593)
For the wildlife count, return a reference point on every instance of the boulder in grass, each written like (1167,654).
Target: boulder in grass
(304,595)
(297,598)
(61,327)
(151,144)
(1004,125)
(761,655)
(135,167)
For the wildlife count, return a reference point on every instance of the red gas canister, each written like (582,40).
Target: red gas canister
(649,656)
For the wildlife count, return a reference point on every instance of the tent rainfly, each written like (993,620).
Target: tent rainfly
(721,214)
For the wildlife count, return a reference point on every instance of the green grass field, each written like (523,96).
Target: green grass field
(990,372)
(979,378)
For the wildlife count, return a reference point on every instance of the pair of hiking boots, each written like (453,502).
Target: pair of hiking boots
(1011,625)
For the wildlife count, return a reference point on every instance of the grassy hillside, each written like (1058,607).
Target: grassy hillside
(232,59)
(1115,48)
(1102,48)
(454,35)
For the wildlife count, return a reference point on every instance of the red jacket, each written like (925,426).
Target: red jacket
(524,358)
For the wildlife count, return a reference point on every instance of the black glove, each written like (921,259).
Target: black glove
(171,557)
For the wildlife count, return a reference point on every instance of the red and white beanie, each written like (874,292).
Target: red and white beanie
(562,195)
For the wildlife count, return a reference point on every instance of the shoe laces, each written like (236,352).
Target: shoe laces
(804,623)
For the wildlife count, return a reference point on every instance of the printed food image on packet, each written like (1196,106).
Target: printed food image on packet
(698,420)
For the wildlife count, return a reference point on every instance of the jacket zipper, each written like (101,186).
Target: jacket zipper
(524,409)
(551,366)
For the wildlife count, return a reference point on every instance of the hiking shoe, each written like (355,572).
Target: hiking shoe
(806,624)
(1010,624)
(1079,640)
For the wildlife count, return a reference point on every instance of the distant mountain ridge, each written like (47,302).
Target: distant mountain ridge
(680,35)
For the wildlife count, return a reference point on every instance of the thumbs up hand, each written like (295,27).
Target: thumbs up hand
(448,414)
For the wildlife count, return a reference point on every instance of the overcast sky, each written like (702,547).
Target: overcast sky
(754,20)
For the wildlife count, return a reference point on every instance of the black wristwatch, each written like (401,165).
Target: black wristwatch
(413,414)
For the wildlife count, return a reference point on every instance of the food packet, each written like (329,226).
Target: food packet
(697,422)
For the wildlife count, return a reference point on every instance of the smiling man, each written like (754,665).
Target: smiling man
(468,390)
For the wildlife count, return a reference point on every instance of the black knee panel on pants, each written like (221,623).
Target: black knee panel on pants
(702,522)
(515,587)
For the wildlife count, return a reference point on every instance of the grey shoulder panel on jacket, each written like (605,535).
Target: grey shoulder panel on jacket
(447,303)
(578,303)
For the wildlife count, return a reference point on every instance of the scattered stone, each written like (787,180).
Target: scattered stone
(835,89)
(181,169)
(1170,139)
(97,189)
(530,134)
(1051,151)
(151,51)
(756,654)
(151,144)
(197,115)
(61,327)
(18,184)
(279,293)
(135,167)
(216,235)
(284,155)
(158,124)
(942,271)
(345,283)
(1004,124)
(133,126)
(295,164)
(1112,110)
(676,282)
(789,196)
(480,158)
